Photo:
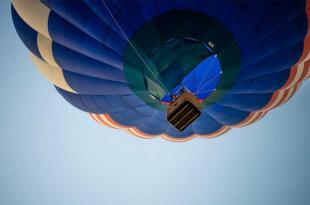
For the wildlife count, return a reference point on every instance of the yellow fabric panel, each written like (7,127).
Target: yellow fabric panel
(45,49)
(34,13)
(52,73)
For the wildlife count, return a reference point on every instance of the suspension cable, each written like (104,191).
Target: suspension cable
(134,48)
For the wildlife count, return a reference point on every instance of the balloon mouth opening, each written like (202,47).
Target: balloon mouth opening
(201,81)
(177,54)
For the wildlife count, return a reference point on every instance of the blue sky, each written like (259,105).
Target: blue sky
(51,153)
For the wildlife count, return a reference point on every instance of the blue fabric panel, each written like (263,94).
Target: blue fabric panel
(133,14)
(180,5)
(89,46)
(77,63)
(216,8)
(276,62)
(132,100)
(101,104)
(149,8)
(262,84)
(205,124)
(198,6)
(111,104)
(280,14)
(102,13)
(164,6)
(130,117)
(201,81)
(256,10)
(145,109)
(154,124)
(282,38)
(26,33)
(246,102)
(119,20)
(79,15)
(176,134)
(95,86)
(205,77)
(226,115)
(69,36)
(76,100)
(152,128)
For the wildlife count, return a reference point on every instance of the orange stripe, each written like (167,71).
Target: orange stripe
(304,56)
(91,115)
(307,67)
(293,91)
(286,92)
(291,78)
(259,116)
(103,122)
(94,117)
(135,131)
(254,119)
(306,70)
(109,119)
(274,97)
(298,73)
(307,38)
(263,115)
(308,74)
(106,120)
(132,133)
(306,49)
(174,139)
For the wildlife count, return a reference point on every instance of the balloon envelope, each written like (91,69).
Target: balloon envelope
(121,61)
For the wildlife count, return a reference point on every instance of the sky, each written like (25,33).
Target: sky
(52,153)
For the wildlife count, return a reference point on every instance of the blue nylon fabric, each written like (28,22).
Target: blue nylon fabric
(201,81)
(266,84)
(149,8)
(102,13)
(90,47)
(71,37)
(246,102)
(151,121)
(136,116)
(79,15)
(75,62)
(204,77)
(155,124)
(230,7)
(226,115)
(131,12)
(26,33)
(95,86)
(206,124)
(273,63)
(102,103)
(171,131)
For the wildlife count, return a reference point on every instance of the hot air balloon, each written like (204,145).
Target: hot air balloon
(174,69)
